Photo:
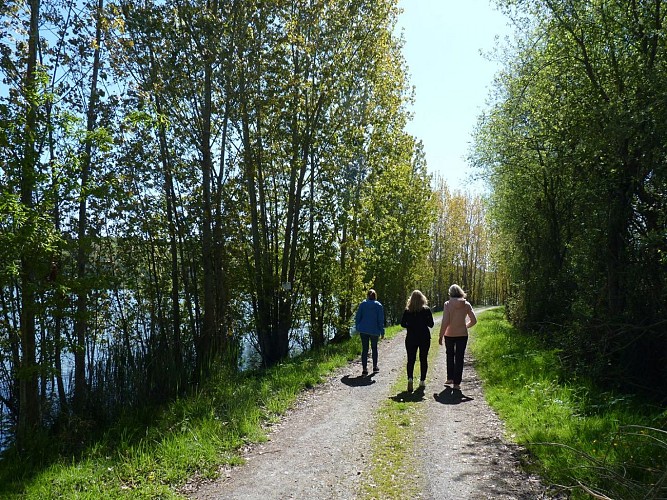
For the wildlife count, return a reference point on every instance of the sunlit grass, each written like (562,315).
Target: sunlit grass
(583,438)
(580,437)
(393,472)
(152,452)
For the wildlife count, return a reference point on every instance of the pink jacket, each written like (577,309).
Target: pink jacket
(454,316)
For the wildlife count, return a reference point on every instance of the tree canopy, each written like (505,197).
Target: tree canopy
(182,183)
(574,151)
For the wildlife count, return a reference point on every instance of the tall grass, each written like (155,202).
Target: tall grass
(152,452)
(587,440)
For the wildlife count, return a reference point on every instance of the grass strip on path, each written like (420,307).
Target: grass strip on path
(400,420)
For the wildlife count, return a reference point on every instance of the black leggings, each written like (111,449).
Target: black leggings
(456,349)
(412,344)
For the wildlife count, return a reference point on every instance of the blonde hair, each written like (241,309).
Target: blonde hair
(456,291)
(416,302)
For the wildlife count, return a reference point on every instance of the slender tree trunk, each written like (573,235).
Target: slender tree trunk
(59,298)
(176,347)
(316,333)
(261,303)
(220,265)
(208,341)
(345,305)
(56,263)
(208,333)
(28,417)
(81,322)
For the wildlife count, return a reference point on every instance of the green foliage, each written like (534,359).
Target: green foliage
(571,146)
(201,178)
(399,210)
(581,436)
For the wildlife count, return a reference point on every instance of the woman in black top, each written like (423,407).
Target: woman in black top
(418,320)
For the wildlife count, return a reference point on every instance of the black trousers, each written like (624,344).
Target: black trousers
(456,349)
(414,343)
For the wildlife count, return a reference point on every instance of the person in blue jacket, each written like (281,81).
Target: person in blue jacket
(369,322)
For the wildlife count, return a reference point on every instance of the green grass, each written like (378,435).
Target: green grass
(392,473)
(581,437)
(400,418)
(152,452)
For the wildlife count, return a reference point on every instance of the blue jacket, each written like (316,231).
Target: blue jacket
(370,318)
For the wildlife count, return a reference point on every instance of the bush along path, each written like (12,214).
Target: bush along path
(365,437)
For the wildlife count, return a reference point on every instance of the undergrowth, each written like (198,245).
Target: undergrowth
(587,440)
(151,452)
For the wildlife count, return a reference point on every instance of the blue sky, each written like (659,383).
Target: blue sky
(443,40)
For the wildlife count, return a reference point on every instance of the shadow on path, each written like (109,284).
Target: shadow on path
(359,381)
(410,397)
(451,396)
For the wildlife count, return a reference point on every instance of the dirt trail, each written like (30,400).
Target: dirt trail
(321,448)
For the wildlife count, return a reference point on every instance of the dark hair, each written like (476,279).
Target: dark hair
(372,295)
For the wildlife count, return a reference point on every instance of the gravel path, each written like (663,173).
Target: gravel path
(321,448)
(464,453)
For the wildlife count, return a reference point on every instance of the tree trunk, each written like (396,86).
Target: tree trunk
(176,347)
(56,263)
(81,323)
(316,331)
(28,416)
(220,266)
(206,345)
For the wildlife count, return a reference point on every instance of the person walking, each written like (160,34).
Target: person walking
(418,320)
(369,322)
(457,317)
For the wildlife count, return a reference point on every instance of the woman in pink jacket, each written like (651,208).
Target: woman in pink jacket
(457,317)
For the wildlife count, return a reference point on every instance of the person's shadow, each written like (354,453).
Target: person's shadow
(450,396)
(359,381)
(410,397)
